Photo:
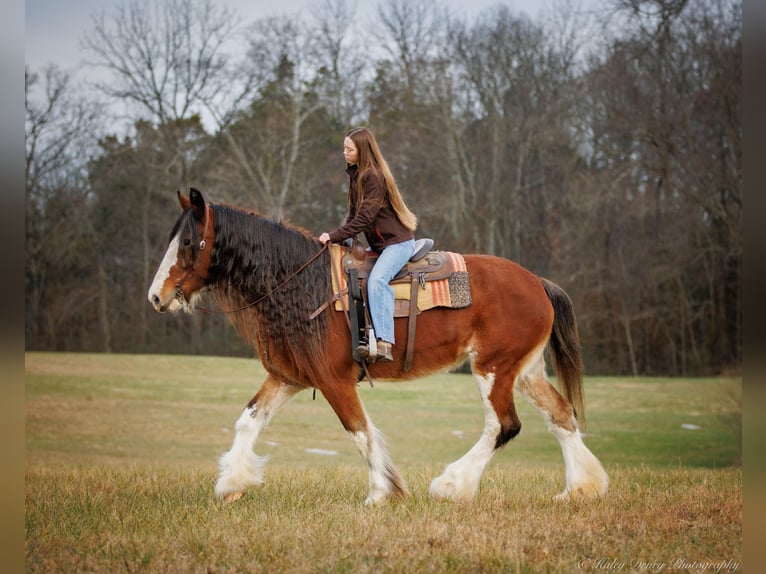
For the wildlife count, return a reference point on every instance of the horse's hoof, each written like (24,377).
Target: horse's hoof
(232,497)
(443,489)
(376,499)
(585,491)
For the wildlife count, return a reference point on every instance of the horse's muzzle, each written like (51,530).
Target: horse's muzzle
(157,304)
(164,304)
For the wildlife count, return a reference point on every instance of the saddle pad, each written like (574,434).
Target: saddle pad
(453,291)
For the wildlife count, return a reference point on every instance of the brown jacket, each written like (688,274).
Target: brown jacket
(375,218)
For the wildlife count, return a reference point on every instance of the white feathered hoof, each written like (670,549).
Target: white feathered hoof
(446,487)
(594,487)
(238,473)
(232,497)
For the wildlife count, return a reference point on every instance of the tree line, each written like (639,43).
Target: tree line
(600,149)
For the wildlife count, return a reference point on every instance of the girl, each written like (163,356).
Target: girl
(376,208)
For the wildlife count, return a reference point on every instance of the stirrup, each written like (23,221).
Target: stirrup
(363,351)
(368,349)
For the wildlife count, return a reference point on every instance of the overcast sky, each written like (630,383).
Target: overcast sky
(54,30)
(54,27)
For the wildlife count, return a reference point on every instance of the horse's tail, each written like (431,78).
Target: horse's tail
(565,348)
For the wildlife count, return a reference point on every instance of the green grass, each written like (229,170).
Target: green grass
(121,463)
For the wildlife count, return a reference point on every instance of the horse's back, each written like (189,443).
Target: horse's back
(509,317)
(509,295)
(490,275)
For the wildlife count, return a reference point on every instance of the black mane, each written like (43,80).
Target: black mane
(252,257)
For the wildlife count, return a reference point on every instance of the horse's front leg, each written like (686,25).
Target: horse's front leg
(384,479)
(240,468)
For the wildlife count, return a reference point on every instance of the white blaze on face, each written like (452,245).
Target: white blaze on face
(163,272)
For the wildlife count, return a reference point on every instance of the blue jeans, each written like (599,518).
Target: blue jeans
(380,294)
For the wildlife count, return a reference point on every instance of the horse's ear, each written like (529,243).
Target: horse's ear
(183,200)
(197,204)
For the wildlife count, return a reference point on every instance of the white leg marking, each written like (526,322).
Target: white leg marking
(240,468)
(460,480)
(378,484)
(585,477)
(382,472)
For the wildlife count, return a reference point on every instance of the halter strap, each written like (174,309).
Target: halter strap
(208,211)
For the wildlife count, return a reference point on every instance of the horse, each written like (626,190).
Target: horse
(270,277)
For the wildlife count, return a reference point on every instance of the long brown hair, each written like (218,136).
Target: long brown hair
(371,160)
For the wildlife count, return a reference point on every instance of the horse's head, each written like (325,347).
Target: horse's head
(183,271)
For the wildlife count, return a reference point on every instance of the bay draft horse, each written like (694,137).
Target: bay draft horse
(248,263)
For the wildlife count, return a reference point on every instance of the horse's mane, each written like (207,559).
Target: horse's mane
(252,256)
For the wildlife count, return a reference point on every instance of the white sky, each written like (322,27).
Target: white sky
(54,27)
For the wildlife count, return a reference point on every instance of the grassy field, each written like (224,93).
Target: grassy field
(121,464)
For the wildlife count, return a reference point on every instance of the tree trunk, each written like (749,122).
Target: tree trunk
(103,308)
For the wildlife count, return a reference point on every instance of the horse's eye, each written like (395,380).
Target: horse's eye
(187,242)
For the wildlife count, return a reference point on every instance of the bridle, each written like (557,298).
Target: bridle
(202,242)
(180,296)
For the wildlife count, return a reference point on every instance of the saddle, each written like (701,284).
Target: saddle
(429,279)
(432,265)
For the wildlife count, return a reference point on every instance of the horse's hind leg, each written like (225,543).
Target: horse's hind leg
(384,479)
(460,480)
(585,477)
(240,468)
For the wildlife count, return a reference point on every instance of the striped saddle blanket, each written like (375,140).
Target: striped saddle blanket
(439,279)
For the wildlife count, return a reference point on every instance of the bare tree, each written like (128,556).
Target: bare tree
(60,126)
(516,148)
(265,142)
(168,57)
(57,125)
(411,33)
(662,104)
(339,58)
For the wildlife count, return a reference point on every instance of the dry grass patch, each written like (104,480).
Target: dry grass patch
(108,520)
(121,463)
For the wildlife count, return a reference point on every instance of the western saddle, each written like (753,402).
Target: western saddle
(424,266)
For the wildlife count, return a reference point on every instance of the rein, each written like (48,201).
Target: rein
(275,289)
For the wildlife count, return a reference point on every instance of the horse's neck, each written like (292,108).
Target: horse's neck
(279,291)
(262,247)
